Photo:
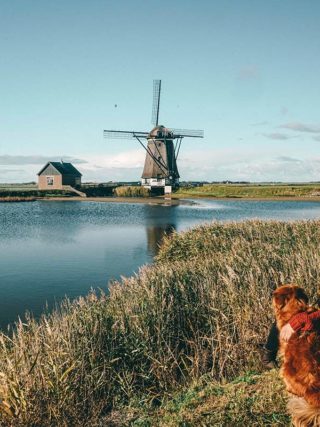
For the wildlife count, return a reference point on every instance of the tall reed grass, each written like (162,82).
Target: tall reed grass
(131,191)
(202,308)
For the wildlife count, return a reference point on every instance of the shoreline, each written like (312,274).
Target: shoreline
(145,200)
(177,200)
(258,199)
(174,201)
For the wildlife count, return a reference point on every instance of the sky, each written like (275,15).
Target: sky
(245,71)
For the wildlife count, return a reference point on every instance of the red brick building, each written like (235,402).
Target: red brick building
(55,175)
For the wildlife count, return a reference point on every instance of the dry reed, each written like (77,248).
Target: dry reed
(202,308)
(131,191)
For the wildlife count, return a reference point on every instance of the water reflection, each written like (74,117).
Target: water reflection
(158,224)
(155,235)
(52,249)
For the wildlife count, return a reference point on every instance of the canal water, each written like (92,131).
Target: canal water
(49,250)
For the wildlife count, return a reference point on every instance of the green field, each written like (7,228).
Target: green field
(248,191)
(258,191)
(27,192)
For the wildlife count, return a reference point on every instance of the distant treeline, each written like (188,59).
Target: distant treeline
(33,193)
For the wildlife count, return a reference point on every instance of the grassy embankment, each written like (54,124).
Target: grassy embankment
(175,345)
(27,193)
(254,191)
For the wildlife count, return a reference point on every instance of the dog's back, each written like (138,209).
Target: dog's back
(301,366)
(301,358)
(303,414)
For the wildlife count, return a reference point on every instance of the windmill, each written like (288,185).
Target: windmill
(162,146)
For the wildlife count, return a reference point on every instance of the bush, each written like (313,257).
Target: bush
(98,191)
(34,193)
(132,191)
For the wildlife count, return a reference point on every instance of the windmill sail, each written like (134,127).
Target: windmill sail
(156,102)
(123,134)
(189,133)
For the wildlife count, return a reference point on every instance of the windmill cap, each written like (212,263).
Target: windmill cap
(160,131)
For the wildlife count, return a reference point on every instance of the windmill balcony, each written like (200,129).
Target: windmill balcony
(153,182)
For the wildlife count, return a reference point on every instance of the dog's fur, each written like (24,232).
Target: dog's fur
(301,357)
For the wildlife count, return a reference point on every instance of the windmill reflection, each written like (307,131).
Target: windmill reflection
(160,221)
(155,236)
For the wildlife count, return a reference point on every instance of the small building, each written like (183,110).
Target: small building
(56,175)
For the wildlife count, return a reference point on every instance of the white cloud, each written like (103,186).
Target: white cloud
(277,135)
(248,166)
(127,165)
(249,72)
(289,159)
(209,164)
(245,164)
(301,127)
(124,160)
(15,175)
(260,123)
(36,160)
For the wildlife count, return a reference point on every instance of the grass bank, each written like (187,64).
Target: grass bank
(17,199)
(25,195)
(254,191)
(198,313)
(250,400)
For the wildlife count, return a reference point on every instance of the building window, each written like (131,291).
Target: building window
(49,180)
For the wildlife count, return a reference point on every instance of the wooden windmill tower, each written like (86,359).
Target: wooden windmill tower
(162,146)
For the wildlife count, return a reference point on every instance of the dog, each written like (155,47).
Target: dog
(300,368)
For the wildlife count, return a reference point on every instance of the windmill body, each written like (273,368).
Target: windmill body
(162,146)
(164,171)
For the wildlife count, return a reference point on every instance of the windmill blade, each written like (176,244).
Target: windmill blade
(123,134)
(156,102)
(187,133)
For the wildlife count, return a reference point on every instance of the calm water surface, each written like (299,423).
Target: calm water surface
(52,249)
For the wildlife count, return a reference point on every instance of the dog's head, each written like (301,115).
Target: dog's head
(288,300)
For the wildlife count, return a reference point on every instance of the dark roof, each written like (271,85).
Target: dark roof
(63,168)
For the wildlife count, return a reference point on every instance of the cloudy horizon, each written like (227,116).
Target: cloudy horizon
(193,165)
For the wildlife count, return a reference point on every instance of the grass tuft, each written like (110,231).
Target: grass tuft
(131,191)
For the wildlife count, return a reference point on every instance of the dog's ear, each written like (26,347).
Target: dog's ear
(280,300)
(282,295)
(302,296)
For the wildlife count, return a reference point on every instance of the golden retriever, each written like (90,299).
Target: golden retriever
(301,357)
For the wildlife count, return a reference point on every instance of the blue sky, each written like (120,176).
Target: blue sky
(247,72)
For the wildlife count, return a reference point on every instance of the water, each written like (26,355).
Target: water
(52,249)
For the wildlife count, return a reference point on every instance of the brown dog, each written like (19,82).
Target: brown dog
(301,357)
